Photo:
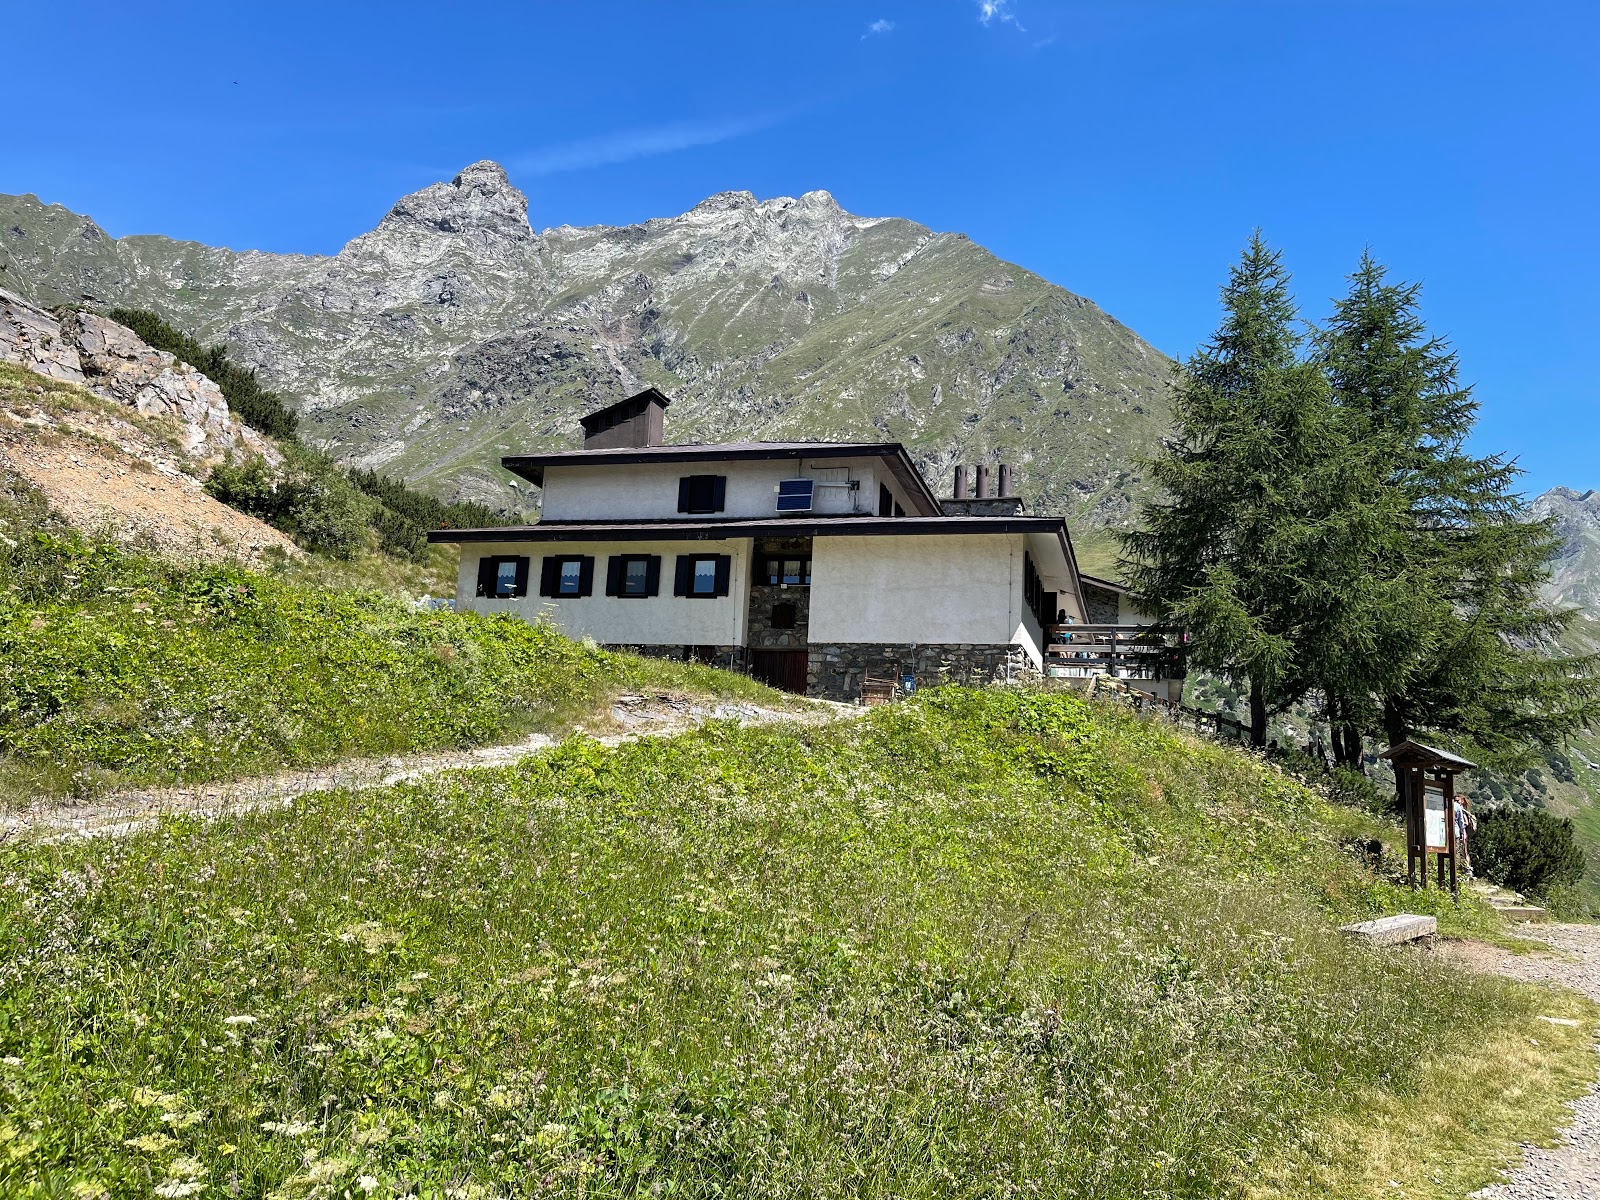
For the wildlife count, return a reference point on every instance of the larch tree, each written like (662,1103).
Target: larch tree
(1463,646)
(1244,543)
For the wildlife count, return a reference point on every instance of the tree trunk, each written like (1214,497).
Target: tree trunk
(1397,729)
(1258,715)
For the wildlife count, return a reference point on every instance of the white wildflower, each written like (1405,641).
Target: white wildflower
(239,1019)
(367,1183)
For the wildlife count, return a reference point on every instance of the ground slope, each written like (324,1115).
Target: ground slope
(975,944)
(453,333)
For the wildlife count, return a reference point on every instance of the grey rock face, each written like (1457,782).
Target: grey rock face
(453,333)
(116,364)
(1575,577)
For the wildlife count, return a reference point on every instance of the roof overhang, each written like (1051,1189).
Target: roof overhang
(1417,754)
(666,531)
(532,466)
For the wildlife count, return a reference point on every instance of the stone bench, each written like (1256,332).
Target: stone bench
(1392,931)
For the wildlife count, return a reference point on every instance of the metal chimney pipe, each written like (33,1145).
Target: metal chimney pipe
(1005,481)
(961,482)
(983,481)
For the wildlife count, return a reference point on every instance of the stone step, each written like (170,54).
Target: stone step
(1521,912)
(1392,931)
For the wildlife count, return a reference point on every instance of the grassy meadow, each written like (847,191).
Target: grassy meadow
(119,668)
(976,944)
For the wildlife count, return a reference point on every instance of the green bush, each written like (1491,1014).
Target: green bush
(1527,850)
(254,405)
(308,498)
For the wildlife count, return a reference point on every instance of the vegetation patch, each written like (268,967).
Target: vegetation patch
(124,668)
(976,944)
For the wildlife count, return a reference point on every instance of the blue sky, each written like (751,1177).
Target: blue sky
(1123,149)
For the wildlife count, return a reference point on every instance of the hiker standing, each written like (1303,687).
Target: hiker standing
(1466,824)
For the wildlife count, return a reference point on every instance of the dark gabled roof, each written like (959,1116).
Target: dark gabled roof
(531,466)
(1416,753)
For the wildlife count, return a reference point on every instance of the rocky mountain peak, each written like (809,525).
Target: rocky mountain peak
(725,202)
(481,199)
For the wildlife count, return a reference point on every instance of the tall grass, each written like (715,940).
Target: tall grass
(975,945)
(122,668)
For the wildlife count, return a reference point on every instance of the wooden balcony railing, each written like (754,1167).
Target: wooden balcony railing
(1121,651)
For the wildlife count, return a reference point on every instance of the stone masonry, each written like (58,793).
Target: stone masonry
(761,633)
(836,671)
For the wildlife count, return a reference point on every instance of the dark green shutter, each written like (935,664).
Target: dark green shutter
(683,575)
(719,493)
(549,575)
(486,577)
(614,575)
(685,486)
(586,575)
(724,569)
(652,575)
(521,586)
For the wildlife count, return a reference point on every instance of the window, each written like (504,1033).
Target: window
(777,570)
(566,575)
(502,577)
(702,493)
(783,615)
(633,575)
(794,495)
(703,575)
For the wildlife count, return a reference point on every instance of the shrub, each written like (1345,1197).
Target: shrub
(308,498)
(1527,850)
(255,406)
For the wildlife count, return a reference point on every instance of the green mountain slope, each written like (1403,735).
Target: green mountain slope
(454,333)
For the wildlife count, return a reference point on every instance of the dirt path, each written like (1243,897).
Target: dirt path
(631,717)
(1571,1171)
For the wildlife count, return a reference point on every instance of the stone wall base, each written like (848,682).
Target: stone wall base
(836,670)
(729,658)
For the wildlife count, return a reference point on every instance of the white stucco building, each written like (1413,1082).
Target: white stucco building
(814,565)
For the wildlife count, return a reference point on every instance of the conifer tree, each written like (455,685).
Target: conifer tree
(1238,547)
(1463,645)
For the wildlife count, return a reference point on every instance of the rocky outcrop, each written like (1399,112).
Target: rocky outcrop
(115,364)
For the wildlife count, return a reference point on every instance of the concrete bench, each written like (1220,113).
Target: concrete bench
(1392,931)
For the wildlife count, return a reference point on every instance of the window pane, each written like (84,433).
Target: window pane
(705,577)
(774,572)
(505,577)
(633,576)
(571,572)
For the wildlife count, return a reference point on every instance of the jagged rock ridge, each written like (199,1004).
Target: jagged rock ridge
(453,333)
(1575,578)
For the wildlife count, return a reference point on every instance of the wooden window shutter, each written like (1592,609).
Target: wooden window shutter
(719,493)
(684,580)
(724,570)
(685,488)
(486,570)
(885,501)
(586,575)
(521,586)
(549,575)
(614,575)
(652,575)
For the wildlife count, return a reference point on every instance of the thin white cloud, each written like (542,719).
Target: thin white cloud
(877,28)
(629,144)
(991,11)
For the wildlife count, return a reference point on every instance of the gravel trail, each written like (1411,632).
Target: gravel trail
(630,717)
(1571,1171)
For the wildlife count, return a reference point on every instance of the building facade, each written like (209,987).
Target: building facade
(819,567)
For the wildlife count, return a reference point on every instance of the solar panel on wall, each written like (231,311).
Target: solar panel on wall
(794,495)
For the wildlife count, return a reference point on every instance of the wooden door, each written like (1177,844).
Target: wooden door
(782,669)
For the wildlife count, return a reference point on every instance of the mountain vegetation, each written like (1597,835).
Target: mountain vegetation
(453,334)
(761,962)
(1322,532)
(119,668)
